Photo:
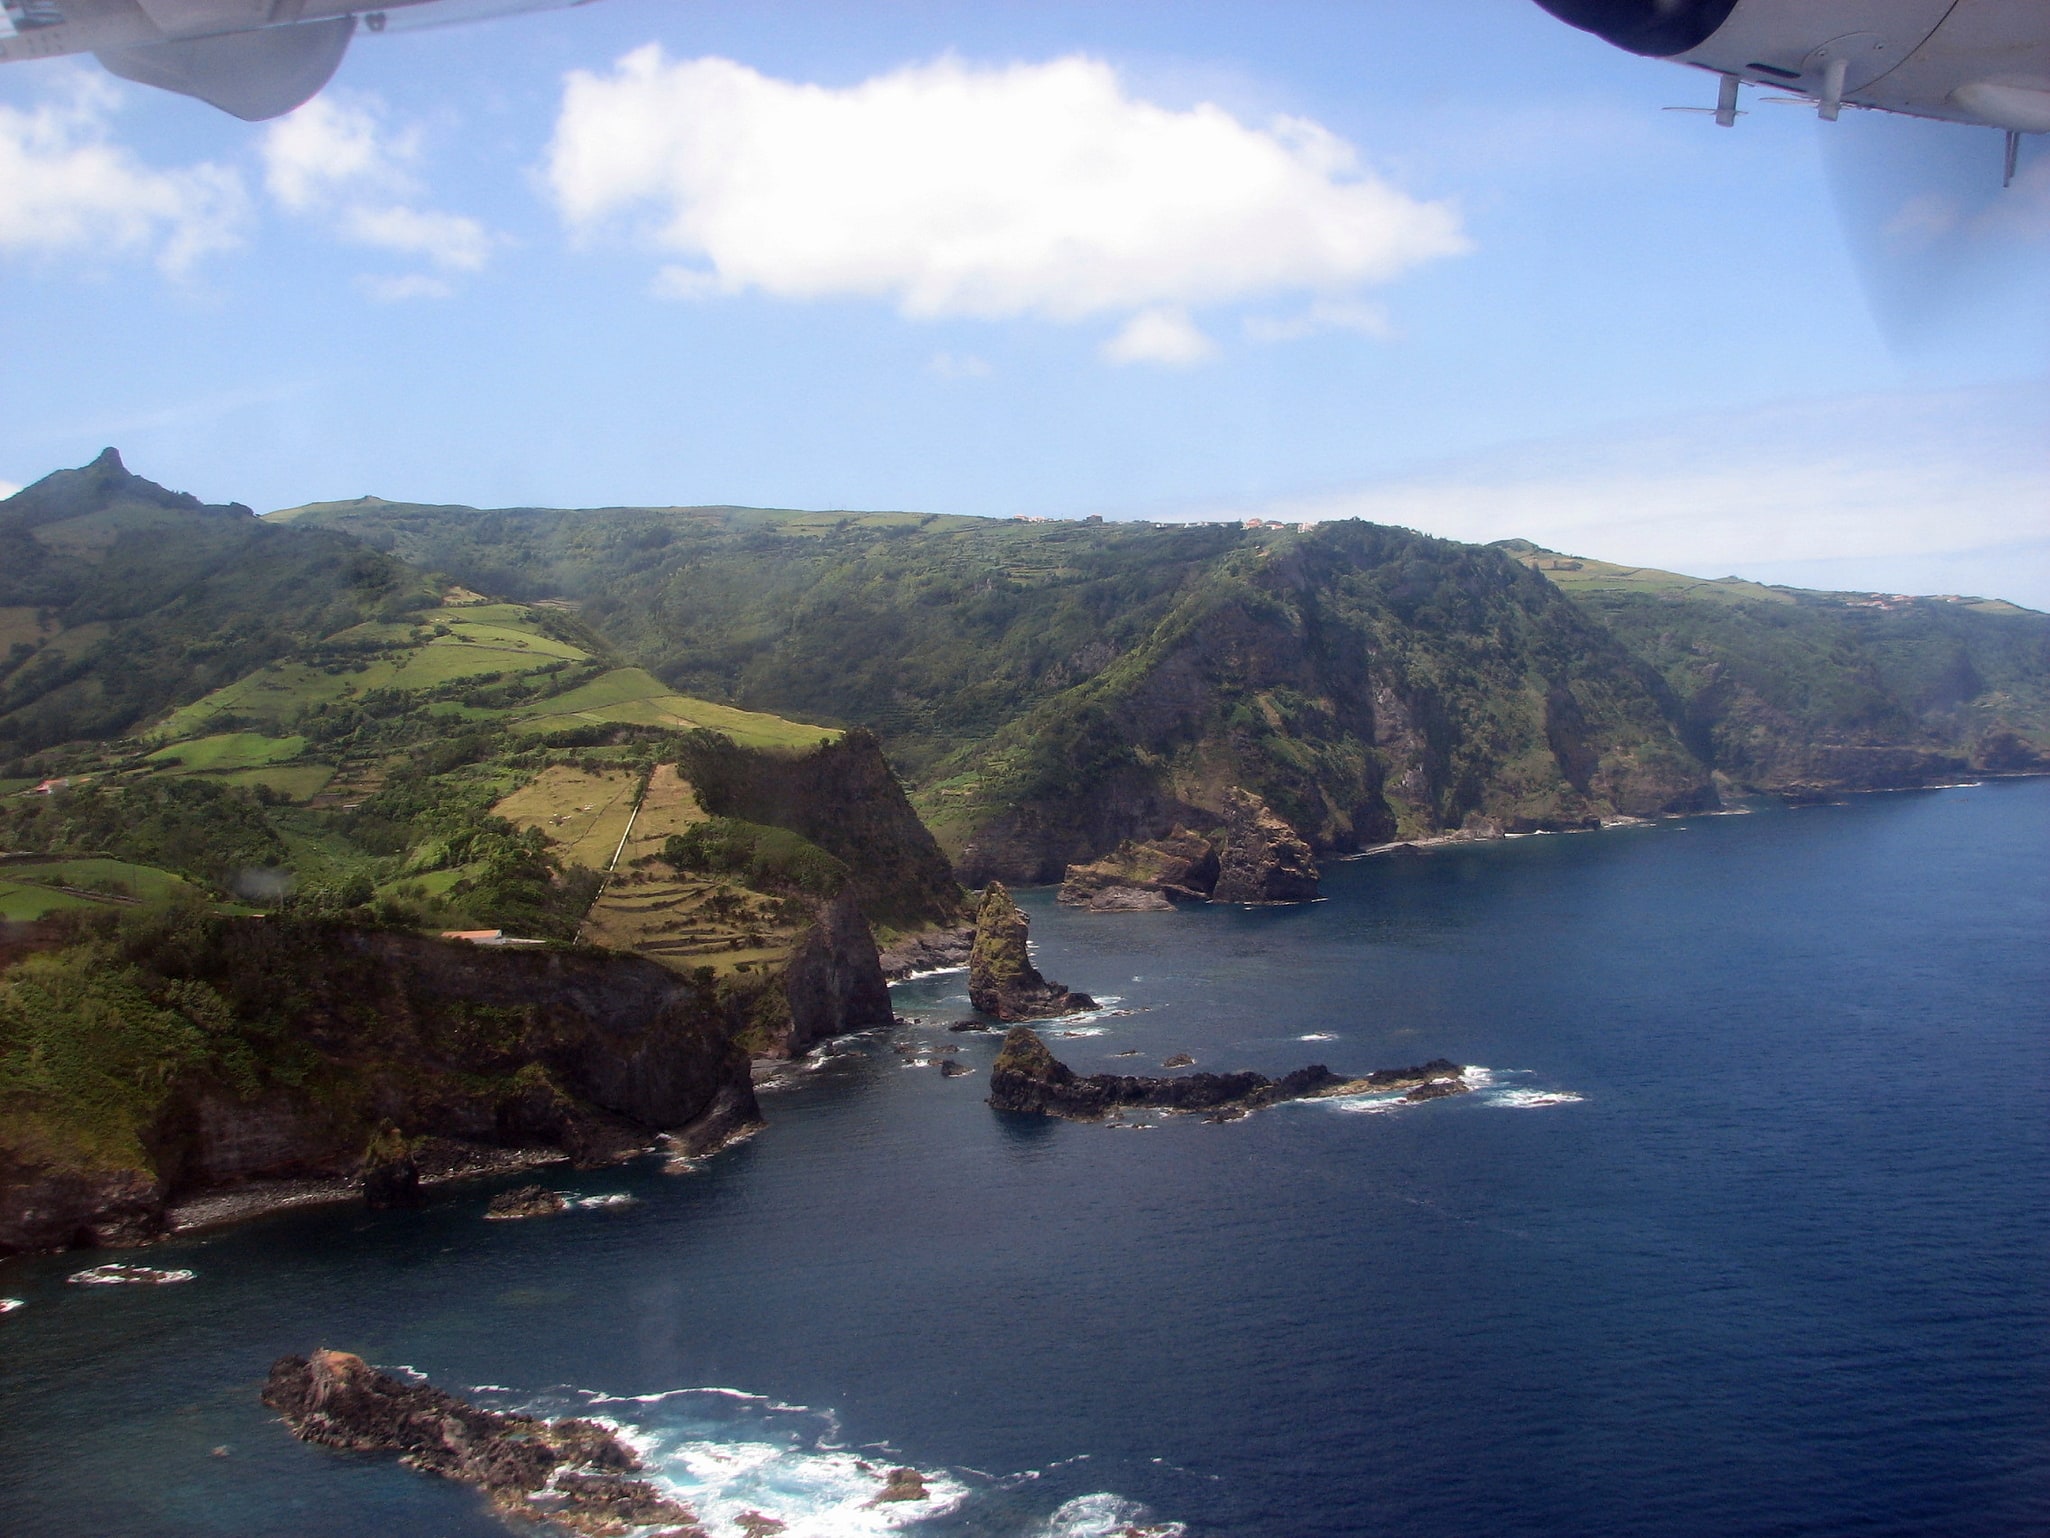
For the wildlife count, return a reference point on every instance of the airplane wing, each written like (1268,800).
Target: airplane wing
(255,59)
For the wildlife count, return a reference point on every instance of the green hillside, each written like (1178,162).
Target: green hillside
(1051,687)
(273,714)
(119,598)
(1787,689)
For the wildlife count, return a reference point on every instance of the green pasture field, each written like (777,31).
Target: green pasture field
(295,782)
(635,697)
(229,750)
(1582,574)
(28,888)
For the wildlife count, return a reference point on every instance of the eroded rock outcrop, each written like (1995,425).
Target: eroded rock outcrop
(1262,859)
(1028,1078)
(1002,980)
(927,950)
(573,1474)
(1145,875)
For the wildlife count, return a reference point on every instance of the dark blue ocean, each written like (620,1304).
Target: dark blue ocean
(1745,1232)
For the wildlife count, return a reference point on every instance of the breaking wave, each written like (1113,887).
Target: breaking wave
(743,1461)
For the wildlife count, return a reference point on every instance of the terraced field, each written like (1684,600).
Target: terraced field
(581,813)
(681,921)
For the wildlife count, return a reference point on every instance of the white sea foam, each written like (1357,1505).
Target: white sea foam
(1523,1099)
(9,1305)
(1490,1087)
(1104,1515)
(914,977)
(611,1199)
(1319,1036)
(1365,1105)
(918,1062)
(728,1453)
(119,1275)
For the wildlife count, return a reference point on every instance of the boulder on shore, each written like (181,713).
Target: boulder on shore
(572,1474)
(390,1175)
(1028,1078)
(1263,860)
(1002,980)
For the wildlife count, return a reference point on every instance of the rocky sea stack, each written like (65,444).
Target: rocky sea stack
(571,1474)
(1028,1078)
(1002,980)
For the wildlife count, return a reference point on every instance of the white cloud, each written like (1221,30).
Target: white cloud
(1955,484)
(65,188)
(453,242)
(336,160)
(959,365)
(1159,336)
(411,285)
(954,190)
(1325,315)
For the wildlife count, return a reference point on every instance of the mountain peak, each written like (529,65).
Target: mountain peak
(96,487)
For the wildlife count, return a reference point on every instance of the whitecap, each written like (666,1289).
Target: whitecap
(1530,1099)
(9,1305)
(914,977)
(612,1199)
(727,1453)
(1366,1105)
(918,1062)
(1104,1515)
(1319,1036)
(1476,1077)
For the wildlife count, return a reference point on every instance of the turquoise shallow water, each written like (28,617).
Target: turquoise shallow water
(1747,1232)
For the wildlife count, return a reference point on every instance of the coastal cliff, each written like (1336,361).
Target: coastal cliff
(199,1052)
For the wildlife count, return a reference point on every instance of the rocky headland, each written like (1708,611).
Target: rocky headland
(378,1061)
(1002,981)
(1027,1078)
(1253,857)
(1145,875)
(573,1475)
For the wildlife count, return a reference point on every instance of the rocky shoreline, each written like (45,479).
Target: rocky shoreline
(1028,1079)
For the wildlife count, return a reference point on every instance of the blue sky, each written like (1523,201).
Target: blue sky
(1443,264)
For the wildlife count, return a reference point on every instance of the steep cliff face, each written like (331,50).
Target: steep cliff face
(832,985)
(844,798)
(283,1049)
(1365,683)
